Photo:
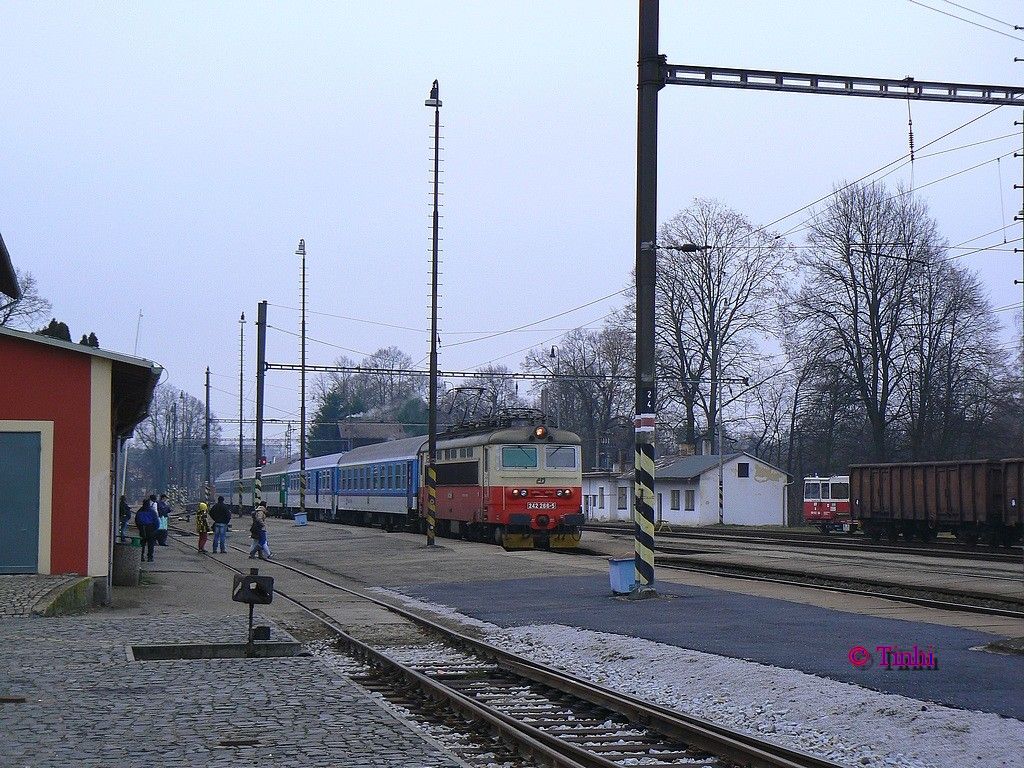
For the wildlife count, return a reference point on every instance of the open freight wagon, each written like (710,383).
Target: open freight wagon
(976,500)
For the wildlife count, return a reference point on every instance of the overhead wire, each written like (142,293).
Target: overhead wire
(968,21)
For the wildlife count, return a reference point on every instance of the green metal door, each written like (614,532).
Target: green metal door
(19,502)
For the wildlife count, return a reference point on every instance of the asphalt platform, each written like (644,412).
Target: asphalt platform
(771,631)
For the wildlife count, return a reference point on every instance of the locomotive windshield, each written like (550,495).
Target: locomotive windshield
(519,457)
(812,491)
(560,457)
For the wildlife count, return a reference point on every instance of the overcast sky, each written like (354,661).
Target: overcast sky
(168,157)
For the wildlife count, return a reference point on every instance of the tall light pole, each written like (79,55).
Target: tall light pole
(301,251)
(174,445)
(182,450)
(435,102)
(241,382)
(206,446)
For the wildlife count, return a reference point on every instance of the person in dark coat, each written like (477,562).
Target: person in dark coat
(147,520)
(124,517)
(221,516)
(163,509)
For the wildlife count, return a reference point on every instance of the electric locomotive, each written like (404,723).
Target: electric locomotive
(512,480)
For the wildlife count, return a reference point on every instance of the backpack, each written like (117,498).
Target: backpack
(255,528)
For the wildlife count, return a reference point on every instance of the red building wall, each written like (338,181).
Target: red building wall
(43,383)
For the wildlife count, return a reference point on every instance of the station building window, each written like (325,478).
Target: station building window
(743,469)
(691,501)
(675,499)
(622,498)
(600,497)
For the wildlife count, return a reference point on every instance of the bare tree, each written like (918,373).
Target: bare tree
(711,305)
(592,379)
(865,247)
(28,311)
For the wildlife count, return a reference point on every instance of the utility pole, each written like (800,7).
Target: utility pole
(182,450)
(718,425)
(174,444)
(241,382)
(206,446)
(301,251)
(558,390)
(649,82)
(435,102)
(261,373)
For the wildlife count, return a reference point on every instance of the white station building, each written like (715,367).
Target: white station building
(686,487)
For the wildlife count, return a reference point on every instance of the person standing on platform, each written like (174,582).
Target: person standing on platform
(221,516)
(258,531)
(202,525)
(147,520)
(124,517)
(163,510)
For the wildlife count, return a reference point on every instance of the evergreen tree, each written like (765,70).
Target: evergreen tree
(56,330)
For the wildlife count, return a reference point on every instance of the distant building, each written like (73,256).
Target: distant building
(356,434)
(686,488)
(65,409)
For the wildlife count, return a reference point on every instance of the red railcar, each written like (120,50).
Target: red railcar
(827,503)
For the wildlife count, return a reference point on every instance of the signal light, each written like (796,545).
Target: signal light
(539,433)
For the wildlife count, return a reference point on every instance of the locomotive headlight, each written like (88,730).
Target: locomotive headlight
(523,492)
(559,493)
(567,492)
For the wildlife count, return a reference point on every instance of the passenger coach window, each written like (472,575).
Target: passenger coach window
(560,457)
(519,457)
(811,490)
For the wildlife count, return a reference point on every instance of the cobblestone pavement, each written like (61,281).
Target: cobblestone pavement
(19,592)
(88,706)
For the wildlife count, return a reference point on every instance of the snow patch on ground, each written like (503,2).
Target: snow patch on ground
(839,721)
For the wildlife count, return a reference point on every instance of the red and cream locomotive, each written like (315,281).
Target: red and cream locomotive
(517,484)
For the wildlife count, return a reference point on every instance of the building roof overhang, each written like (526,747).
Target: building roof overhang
(8,278)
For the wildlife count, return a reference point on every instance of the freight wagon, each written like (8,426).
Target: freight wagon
(977,500)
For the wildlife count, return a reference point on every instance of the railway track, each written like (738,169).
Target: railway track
(839,542)
(492,702)
(928,598)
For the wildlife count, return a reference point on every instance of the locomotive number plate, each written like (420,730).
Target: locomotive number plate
(540,505)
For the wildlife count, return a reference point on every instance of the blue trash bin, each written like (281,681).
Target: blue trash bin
(300,518)
(621,574)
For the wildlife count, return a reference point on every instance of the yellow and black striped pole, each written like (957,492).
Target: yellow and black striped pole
(431,503)
(257,488)
(302,493)
(643,501)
